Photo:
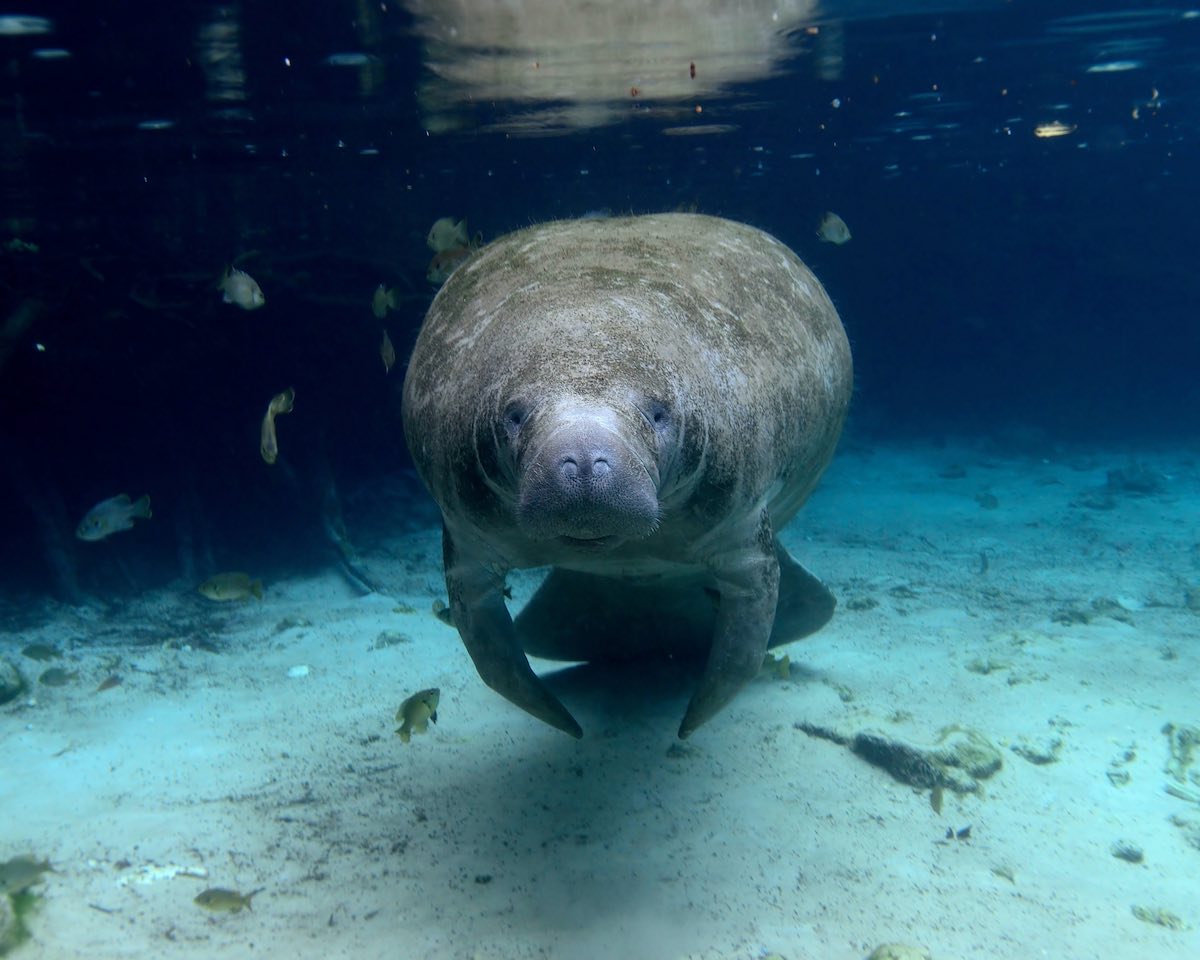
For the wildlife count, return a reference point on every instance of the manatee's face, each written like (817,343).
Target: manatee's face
(586,472)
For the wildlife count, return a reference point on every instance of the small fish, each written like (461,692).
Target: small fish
(231,586)
(41,651)
(416,712)
(57,677)
(1056,128)
(21,872)
(268,444)
(442,612)
(383,301)
(833,229)
(112,516)
(387,353)
(779,667)
(241,288)
(112,680)
(936,796)
(445,234)
(445,263)
(220,900)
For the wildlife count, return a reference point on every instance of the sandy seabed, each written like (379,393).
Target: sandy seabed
(1032,599)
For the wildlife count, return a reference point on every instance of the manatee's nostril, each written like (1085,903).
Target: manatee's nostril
(585,467)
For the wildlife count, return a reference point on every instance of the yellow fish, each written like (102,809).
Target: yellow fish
(445,263)
(445,234)
(416,712)
(779,667)
(239,287)
(268,443)
(231,586)
(833,229)
(112,516)
(220,900)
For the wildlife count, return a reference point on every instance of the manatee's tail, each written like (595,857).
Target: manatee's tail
(586,617)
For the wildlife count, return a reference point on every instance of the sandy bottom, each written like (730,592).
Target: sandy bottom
(1027,599)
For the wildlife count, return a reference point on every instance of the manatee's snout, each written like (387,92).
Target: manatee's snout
(585,484)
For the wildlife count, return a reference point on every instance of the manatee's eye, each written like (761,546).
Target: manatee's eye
(657,414)
(515,415)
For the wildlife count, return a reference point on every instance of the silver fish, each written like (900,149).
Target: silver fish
(446,234)
(112,516)
(387,352)
(241,288)
(833,229)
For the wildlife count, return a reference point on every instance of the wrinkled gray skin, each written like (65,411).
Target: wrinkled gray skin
(640,403)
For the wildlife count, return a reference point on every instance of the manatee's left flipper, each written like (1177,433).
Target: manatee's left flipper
(805,603)
(748,582)
(478,611)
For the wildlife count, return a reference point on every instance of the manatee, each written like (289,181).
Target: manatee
(639,403)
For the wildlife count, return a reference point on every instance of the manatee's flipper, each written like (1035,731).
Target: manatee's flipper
(760,598)
(805,603)
(478,611)
(748,582)
(584,616)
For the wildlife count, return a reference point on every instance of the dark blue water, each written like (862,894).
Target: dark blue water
(999,283)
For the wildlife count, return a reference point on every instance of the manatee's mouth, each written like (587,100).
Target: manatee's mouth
(590,543)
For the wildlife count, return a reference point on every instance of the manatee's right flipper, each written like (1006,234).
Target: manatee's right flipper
(805,603)
(478,611)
